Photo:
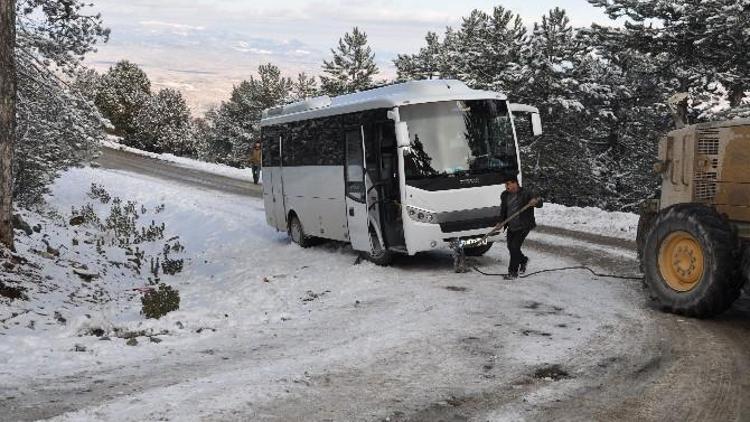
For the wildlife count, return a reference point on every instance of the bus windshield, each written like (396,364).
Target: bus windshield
(459,138)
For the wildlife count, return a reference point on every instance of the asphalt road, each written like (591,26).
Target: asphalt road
(122,160)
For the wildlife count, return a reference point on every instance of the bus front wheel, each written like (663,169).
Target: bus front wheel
(378,254)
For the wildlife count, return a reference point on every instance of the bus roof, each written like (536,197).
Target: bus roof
(407,93)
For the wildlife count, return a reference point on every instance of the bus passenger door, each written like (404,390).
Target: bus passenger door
(356,189)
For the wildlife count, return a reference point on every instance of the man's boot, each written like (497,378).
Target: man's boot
(522,268)
(510,276)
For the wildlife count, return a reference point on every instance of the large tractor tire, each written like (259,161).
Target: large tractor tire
(478,250)
(378,255)
(689,261)
(745,268)
(645,223)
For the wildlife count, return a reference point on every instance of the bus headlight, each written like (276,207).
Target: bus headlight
(420,215)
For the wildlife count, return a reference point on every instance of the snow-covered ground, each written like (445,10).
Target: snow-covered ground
(213,168)
(262,321)
(622,225)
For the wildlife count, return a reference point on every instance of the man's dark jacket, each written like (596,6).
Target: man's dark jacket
(526,219)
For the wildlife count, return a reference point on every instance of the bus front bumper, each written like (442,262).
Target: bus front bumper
(421,237)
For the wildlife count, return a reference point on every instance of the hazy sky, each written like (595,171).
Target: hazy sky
(203,47)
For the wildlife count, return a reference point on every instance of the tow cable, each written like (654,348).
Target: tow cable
(550,270)
(458,245)
(459,256)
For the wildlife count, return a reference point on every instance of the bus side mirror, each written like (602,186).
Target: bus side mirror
(402,135)
(536,124)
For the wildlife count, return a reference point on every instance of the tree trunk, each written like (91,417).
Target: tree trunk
(7,117)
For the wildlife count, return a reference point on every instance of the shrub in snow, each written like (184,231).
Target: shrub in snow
(172,266)
(122,230)
(159,302)
(98,192)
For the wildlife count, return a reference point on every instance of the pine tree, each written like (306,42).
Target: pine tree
(428,63)
(121,94)
(485,52)
(551,75)
(235,125)
(163,124)
(504,47)
(87,82)
(304,87)
(697,43)
(624,118)
(57,126)
(352,67)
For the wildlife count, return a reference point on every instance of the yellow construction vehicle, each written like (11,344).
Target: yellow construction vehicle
(693,241)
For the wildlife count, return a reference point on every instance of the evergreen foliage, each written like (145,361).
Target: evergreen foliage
(159,122)
(304,87)
(159,302)
(164,124)
(58,126)
(234,126)
(485,52)
(120,95)
(603,109)
(700,46)
(352,67)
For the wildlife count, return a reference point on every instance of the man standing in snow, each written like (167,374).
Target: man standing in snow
(255,161)
(512,201)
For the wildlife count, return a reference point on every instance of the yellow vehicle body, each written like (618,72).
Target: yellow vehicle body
(693,240)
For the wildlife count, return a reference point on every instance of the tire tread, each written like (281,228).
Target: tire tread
(719,287)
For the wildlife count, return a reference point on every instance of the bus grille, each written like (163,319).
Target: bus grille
(477,223)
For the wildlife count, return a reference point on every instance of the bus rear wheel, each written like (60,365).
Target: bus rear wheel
(378,254)
(297,233)
(689,263)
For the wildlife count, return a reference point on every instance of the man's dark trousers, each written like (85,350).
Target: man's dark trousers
(515,241)
(256,174)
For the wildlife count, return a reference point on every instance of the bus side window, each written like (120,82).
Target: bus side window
(271,146)
(266,135)
(355,183)
(291,143)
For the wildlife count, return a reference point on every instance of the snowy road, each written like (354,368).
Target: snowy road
(297,334)
(122,160)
